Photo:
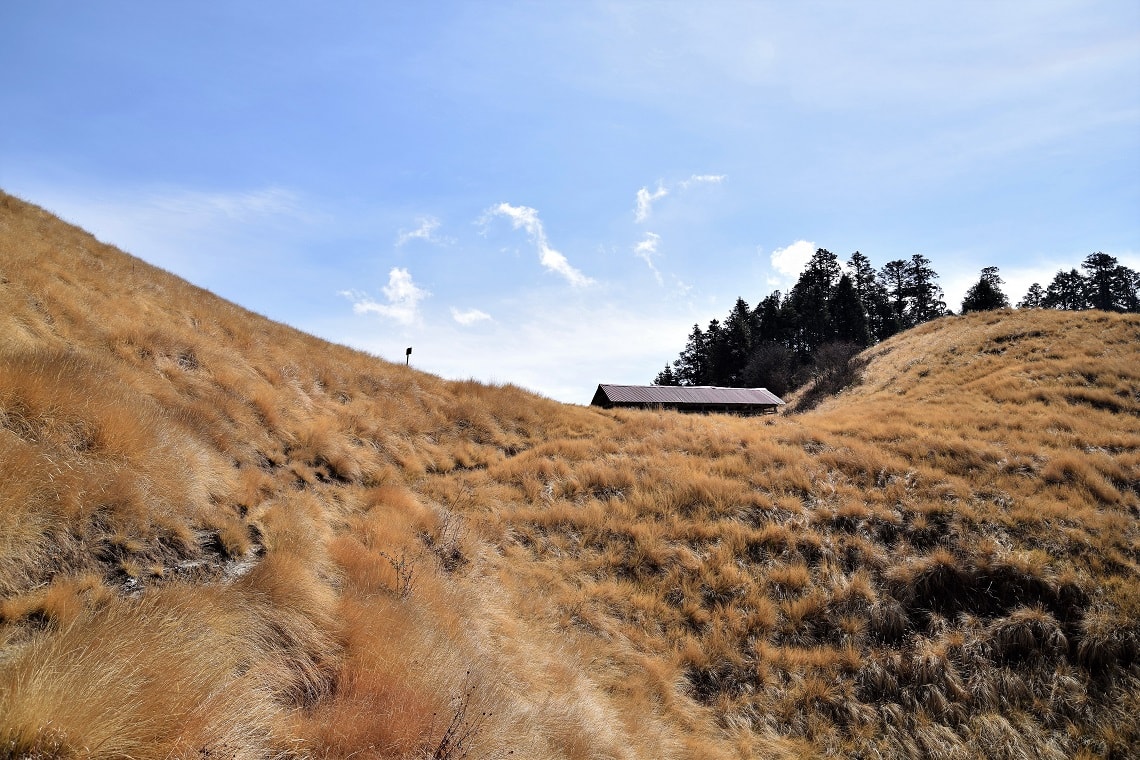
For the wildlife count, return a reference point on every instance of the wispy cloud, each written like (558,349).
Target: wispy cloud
(702,179)
(788,262)
(203,207)
(176,211)
(469,316)
(211,237)
(426,231)
(526,218)
(403,297)
(646,250)
(645,201)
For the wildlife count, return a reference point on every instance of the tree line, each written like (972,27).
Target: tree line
(834,311)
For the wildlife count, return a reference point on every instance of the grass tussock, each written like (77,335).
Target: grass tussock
(219,536)
(174,673)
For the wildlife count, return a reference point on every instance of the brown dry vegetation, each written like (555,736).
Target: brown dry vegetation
(221,537)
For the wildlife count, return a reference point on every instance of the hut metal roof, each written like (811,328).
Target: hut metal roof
(682,394)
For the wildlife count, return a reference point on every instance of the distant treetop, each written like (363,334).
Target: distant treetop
(1107,285)
(777,344)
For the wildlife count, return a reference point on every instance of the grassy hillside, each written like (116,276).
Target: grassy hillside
(221,537)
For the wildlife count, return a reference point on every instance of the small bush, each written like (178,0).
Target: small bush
(835,366)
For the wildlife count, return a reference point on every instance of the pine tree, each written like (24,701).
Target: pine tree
(738,329)
(1066,291)
(896,284)
(986,293)
(1034,298)
(873,297)
(692,366)
(1099,281)
(925,293)
(1132,278)
(862,275)
(719,353)
(1109,285)
(769,321)
(666,377)
(847,314)
(812,296)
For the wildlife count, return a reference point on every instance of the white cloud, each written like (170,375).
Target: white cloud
(702,179)
(526,218)
(470,316)
(646,250)
(426,232)
(554,347)
(645,201)
(403,297)
(683,288)
(788,262)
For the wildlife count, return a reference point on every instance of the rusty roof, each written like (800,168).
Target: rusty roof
(688,394)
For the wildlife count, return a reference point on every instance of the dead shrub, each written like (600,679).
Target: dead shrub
(1107,641)
(835,366)
(1027,634)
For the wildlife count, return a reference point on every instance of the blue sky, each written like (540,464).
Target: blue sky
(552,193)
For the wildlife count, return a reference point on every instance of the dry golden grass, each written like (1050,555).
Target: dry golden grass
(175,673)
(219,536)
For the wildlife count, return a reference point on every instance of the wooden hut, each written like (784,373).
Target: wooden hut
(743,401)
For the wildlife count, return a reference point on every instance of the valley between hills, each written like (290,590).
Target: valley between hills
(223,538)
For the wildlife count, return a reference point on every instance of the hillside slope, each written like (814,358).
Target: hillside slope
(219,536)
